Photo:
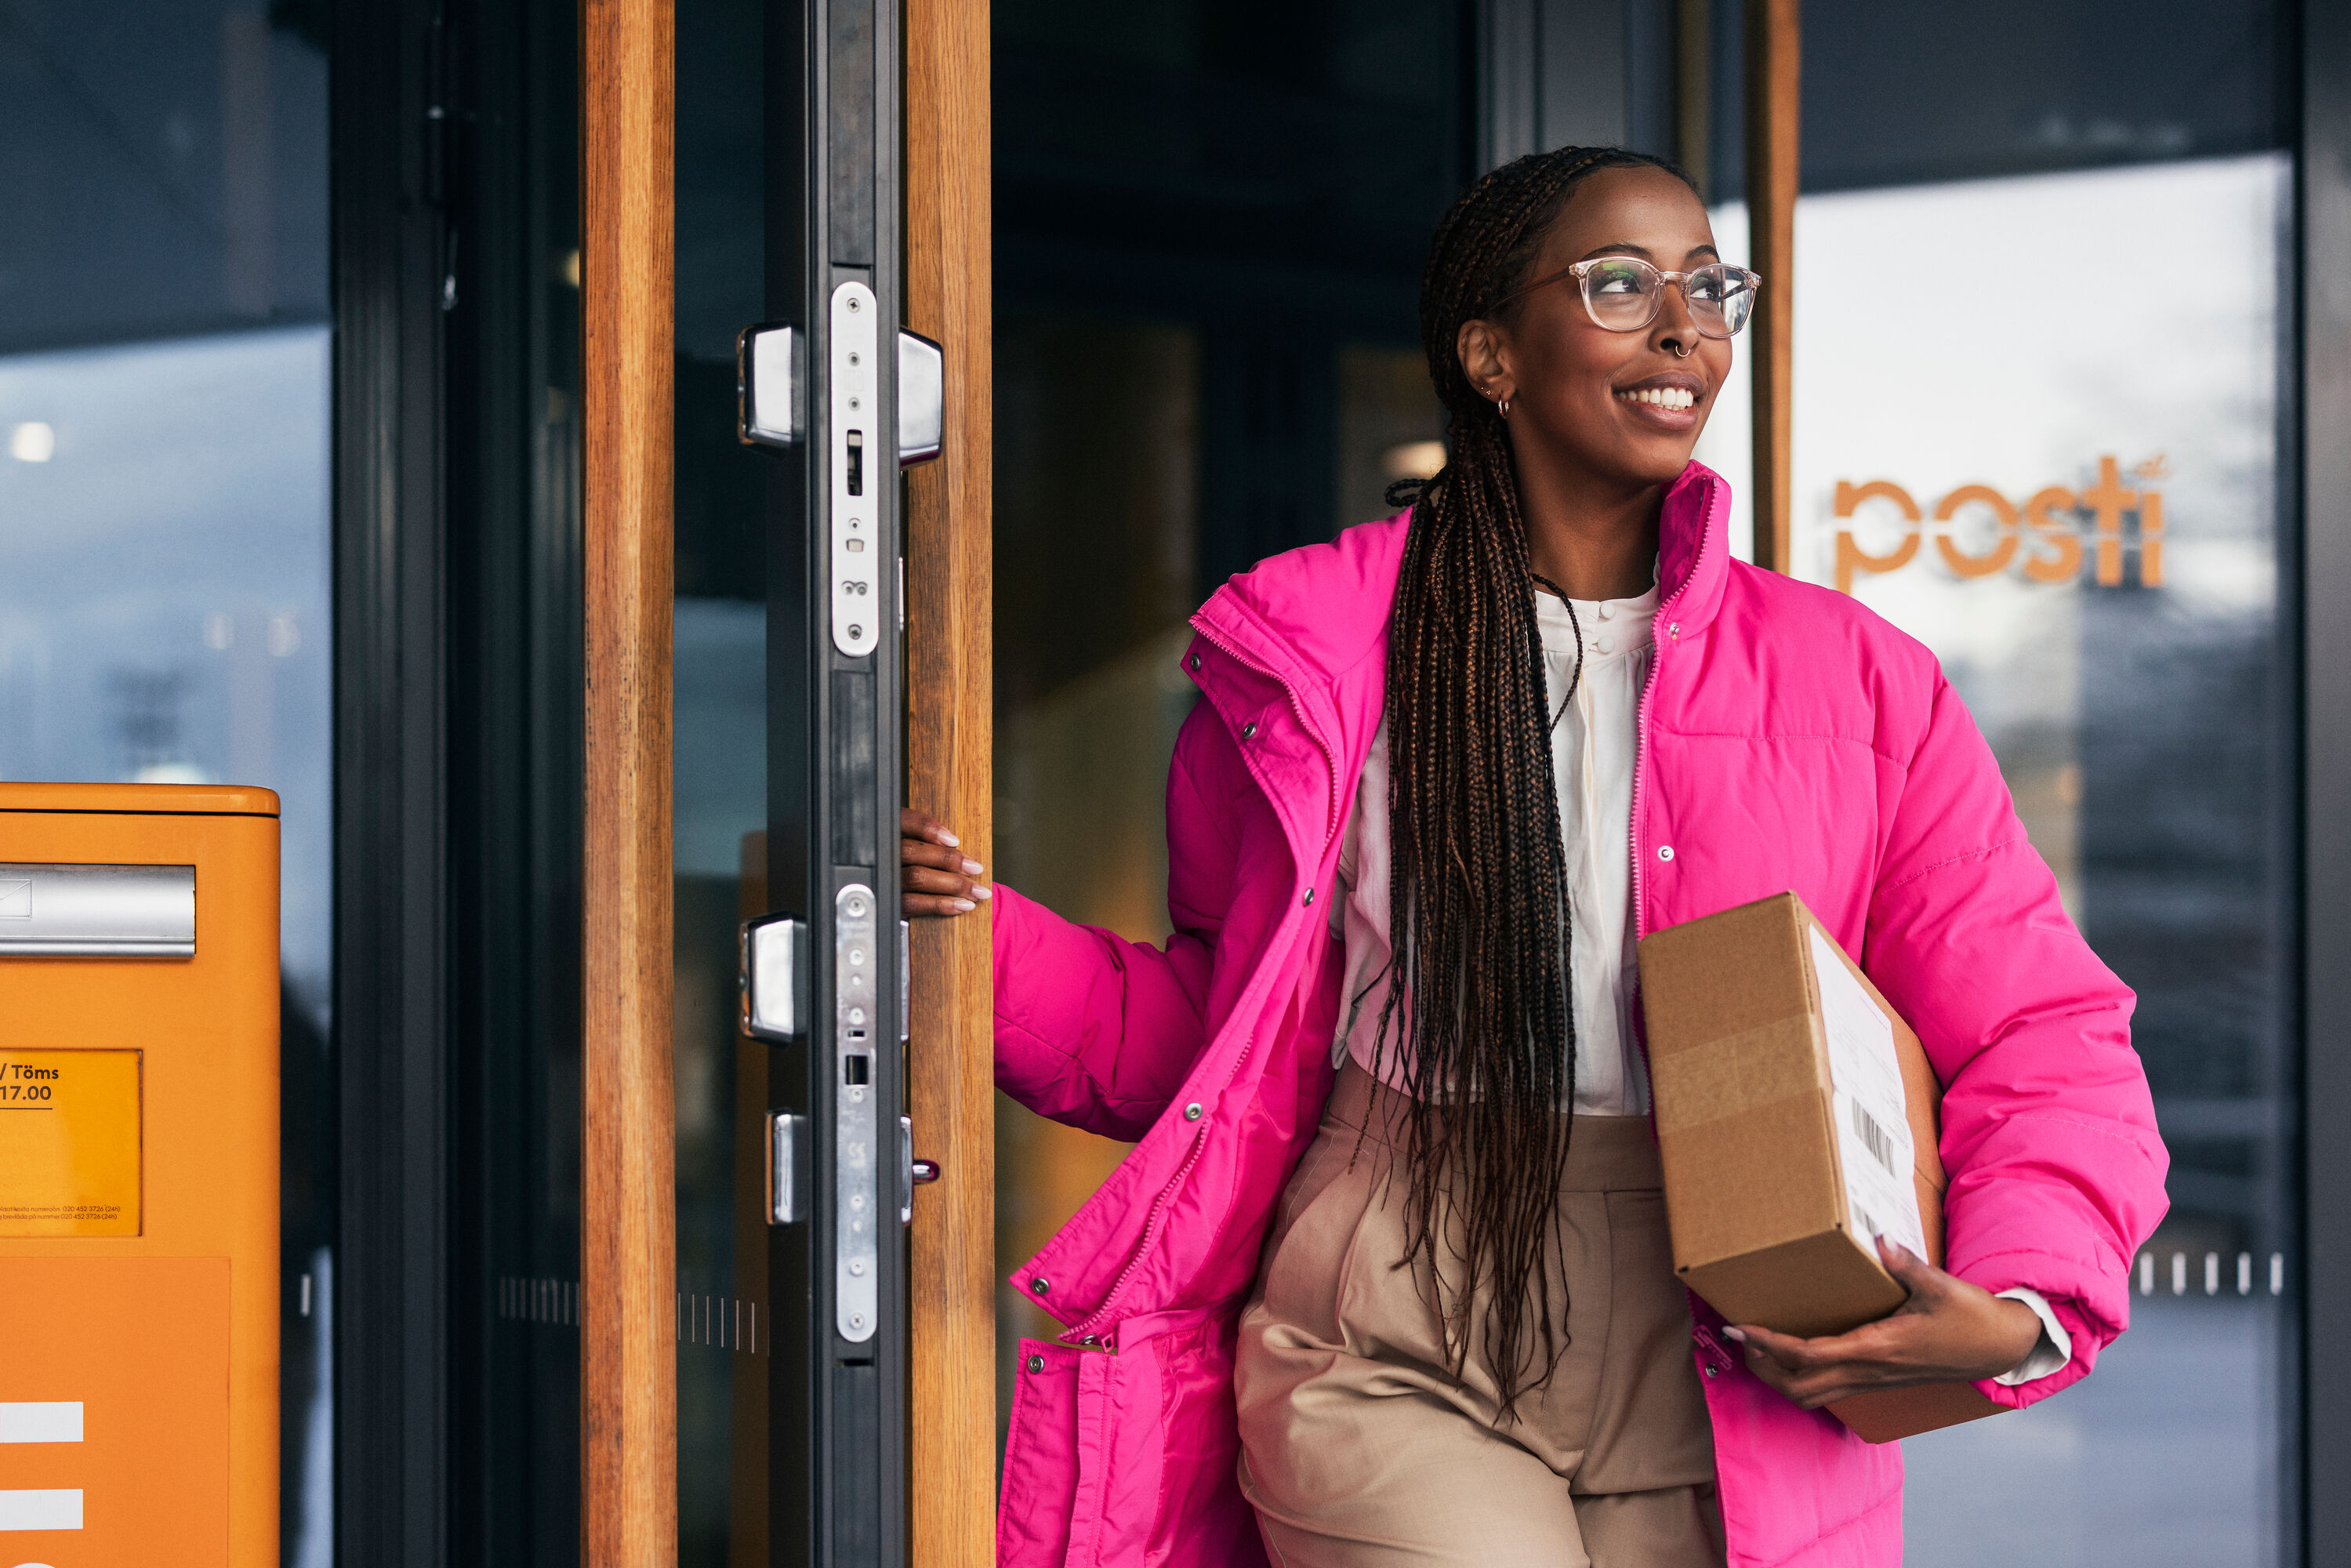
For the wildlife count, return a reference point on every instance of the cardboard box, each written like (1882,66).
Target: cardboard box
(1797,1117)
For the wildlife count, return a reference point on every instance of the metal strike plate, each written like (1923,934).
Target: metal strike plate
(58,911)
(906,983)
(861,577)
(858,1148)
(922,399)
(769,385)
(774,978)
(788,1159)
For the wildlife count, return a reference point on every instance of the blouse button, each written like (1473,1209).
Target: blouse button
(1605,644)
(1665,852)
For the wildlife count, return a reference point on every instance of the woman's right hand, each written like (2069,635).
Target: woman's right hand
(936,877)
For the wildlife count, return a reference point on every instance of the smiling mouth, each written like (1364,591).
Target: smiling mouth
(1672,399)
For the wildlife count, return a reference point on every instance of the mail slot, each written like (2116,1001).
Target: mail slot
(139,1103)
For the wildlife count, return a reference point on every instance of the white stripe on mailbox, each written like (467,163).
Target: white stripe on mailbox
(46,1421)
(57,1508)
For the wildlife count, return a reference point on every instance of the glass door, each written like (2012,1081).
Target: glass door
(2021,440)
(727,1328)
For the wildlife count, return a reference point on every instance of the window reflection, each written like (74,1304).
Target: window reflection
(164,609)
(163,618)
(2058,467)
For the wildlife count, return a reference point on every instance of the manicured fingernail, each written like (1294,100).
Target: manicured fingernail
(982,893)
(972,868)
(964,905)
(1739,1335)
(948,838)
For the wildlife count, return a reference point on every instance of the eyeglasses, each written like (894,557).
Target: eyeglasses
(1624,294)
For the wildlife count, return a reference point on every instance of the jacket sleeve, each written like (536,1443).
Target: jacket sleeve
(2048,1138)
(1097,1031)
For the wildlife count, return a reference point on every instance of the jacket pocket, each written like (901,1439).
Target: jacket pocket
(1040,1458)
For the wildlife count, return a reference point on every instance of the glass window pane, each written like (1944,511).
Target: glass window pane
(164,510)
(2093,448)
(719,683)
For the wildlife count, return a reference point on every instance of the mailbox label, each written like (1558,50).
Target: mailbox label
(69,1142)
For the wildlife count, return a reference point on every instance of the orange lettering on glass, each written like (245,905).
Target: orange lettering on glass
(2004,541)
(1849,555)
(2112,498)
(2047,524)
(2064,561)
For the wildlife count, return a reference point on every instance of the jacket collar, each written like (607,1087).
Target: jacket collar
(1308,616)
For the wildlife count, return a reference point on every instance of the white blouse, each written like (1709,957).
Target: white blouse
(1592,748)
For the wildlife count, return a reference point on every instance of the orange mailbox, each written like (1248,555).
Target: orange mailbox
(139,1278)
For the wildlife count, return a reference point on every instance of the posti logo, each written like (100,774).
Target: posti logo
(2051,536)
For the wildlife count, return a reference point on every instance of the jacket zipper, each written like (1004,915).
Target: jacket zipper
(1088,1329)
(1641,735)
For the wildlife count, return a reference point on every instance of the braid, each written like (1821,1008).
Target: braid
(1479,892)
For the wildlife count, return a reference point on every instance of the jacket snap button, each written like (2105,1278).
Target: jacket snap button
(1192,1112)
(1665,852)
(1195,661)
(1710,1370)
(1249,730)
(1037,1363)
(1673,629)
(1310,895)
(1040,1284)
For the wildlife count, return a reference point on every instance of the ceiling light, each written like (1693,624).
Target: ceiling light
(32,441)
(1413,459)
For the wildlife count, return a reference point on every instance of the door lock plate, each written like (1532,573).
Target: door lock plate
(858,1148)
(859,577)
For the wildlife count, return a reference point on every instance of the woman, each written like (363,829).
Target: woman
(1386,1280)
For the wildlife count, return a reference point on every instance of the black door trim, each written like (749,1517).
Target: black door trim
(390,259)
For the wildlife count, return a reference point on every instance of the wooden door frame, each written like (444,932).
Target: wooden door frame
(628,1239)
(1774,52)
(950,700)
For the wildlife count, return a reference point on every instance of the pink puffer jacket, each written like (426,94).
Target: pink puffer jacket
(1790,739)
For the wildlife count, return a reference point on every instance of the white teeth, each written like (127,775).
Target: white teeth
(1673,398)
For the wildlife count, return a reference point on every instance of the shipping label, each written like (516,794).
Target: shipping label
(1872,1124)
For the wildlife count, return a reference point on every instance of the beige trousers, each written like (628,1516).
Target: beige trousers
(1359,1448)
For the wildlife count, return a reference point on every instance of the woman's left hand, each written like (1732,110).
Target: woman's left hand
(1948,1331)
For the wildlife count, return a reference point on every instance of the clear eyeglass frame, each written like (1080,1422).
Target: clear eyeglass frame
(1721,298)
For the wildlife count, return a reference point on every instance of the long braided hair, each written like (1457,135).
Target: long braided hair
(1479,892)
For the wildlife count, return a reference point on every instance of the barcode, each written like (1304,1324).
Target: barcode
(1863,1224)
(1873,1138)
